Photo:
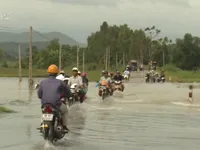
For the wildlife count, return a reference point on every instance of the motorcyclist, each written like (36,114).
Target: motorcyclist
(119,77)
(53,91)
(108,80)
(76,79)
(147,76)
(62,72)
(126,72)
(111,75)
(85,79)
(61,75)
(65,80)
(85,83)
(154,65)
(102,73)
(79,73)
(129,68)
(112,80)
(162,74)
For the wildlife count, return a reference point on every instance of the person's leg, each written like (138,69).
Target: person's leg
(64,114)
(122,87)
(100,92)
(81,94)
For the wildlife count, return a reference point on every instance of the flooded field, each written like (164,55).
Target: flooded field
(145,117)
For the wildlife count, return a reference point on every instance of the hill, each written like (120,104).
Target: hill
(8,40)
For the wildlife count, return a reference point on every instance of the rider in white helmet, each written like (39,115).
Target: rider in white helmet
(61,75)
(76,79)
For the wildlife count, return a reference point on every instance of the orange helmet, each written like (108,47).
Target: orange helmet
(53,69)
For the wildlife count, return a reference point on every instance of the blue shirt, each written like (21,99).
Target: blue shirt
(51,90)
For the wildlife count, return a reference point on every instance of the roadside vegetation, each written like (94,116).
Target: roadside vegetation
(6,110)
(178,75)
(180,58)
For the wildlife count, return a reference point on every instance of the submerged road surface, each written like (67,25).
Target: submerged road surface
(144,117)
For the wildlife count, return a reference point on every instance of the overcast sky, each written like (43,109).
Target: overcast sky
(78,18)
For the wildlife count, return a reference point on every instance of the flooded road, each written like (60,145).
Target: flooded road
(144,117)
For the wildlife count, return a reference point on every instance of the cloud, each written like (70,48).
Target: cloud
(79,18)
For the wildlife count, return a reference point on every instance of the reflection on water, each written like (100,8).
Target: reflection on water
(30,94)
(28,132)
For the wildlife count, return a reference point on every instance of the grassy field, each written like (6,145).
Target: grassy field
(5,110)
(177,75)
(13,72)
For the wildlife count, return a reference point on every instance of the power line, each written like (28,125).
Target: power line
(10,27)
(41,35)
(4,28)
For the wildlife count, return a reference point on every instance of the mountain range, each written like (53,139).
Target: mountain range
(9,41)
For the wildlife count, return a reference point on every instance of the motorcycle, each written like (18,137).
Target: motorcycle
(147,76)
(36,86)
(51,127)
(155,77)
(104,90)
(161,79)
(126,77)
(117,86)
(74,94)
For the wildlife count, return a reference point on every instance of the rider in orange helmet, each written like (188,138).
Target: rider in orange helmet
(52,90)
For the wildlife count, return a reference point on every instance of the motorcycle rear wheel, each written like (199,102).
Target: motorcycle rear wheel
(48,134)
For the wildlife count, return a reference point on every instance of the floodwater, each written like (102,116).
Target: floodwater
(145,117)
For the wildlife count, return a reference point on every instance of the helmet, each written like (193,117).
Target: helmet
(79,72)
(117,72)
(111,73)
(62,72)
(60,77)
(75,69)
(84,74)
(52,69)
(105,72)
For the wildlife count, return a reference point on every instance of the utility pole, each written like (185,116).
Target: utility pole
(83,59)
(106,59)
(60,57)
(20,65)
(30,59)
(77,57)
(116,60)
(163,58)
(123,59)
(109,57)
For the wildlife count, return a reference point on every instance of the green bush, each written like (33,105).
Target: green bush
(5,64)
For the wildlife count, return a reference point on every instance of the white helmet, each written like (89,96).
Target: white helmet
(74,69)
(62,72)
(60,77)
(65,79)
(79,72)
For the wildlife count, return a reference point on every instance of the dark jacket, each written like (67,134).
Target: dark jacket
(85,80)
(51,90)
(118,78)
